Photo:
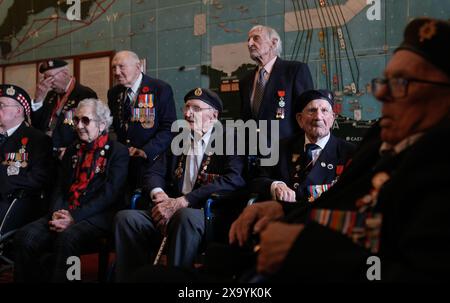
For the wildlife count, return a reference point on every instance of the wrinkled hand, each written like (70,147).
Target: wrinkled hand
(42,89)
(275,242)
(255,216)
(162,212)
(61,220)
(159,197)
(136,152)
(284,193)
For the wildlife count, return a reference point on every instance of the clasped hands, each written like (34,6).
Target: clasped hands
(61,220)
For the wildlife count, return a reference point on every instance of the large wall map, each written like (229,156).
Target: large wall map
(192,43)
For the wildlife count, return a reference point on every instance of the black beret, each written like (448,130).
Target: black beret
(17,93)
(207,96)
(429,38)
(310,95)
(51,64)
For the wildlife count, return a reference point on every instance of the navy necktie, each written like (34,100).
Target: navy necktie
(308,155)
(127,105)
(3,138)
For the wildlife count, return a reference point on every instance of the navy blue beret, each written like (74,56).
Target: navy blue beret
(206,95)
(429,38)
(51,64)
(310,95)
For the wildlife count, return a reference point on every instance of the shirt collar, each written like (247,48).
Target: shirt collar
(11,131)
(136,84)
(321,142)
(269,66)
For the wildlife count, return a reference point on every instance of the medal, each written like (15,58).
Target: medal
(179,172)
(281,104)
(12,170)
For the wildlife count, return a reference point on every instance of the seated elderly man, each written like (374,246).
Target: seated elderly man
(392,201)
(310,162)
(25,161)
(179,185)
(87,194)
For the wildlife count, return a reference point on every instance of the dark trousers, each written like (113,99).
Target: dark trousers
(41,254)
(23,211)
(137,240)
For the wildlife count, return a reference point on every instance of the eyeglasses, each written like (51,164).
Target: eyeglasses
(3,105)
(195,109)
(398,87)
(84,120)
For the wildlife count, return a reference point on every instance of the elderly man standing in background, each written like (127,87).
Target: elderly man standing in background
(143,109)
(268,92)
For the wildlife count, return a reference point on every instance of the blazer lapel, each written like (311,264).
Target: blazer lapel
(297,150)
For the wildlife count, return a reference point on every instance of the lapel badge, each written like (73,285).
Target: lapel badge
(330,166)
(323,164)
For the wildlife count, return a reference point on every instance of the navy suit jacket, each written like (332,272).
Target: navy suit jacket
(64,133)
(326,169)
(37,175)
(156,139)
(414,237)
(227,170)
(290,77)
(104,194)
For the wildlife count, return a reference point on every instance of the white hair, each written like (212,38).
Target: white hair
(101,110)
(272,33)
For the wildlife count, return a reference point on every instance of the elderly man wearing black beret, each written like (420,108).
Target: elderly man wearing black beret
(311,161)
(387,218)
(56,98)
(25,161)
(178,186)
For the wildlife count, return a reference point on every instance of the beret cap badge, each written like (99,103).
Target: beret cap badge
(198,92)
(427,31)
(11,91)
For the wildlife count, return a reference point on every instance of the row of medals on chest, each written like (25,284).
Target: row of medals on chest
(16,161)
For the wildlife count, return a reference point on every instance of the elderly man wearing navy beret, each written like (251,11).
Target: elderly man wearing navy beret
(56,98)
(310,161)
(178,186)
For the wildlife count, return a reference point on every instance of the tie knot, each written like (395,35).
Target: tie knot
(310,147)
(262,73)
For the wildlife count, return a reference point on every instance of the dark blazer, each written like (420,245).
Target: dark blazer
(156,139)
(64,133)
(37,175)
(326,169)
(292,78)
(104,194)
(29,182)
(415,230)
(226,171)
